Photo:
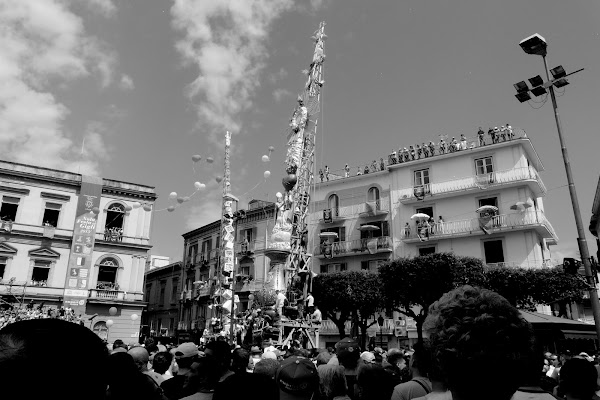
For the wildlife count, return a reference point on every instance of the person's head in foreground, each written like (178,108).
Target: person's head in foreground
(578,379)
(26,348)
(470,327)
(297,379)
(332,381)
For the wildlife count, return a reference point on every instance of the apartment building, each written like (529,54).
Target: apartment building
(480,201)
(74,241)
(199,277)
(162,293)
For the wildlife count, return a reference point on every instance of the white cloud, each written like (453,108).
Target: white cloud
(126,82)
(202,214)
(104,7)
(226,41)
(279,94)
(277,76)
(42,42)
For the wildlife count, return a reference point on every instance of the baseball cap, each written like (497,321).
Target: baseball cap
(367,356)
(297,379)
(185,350)
(255,350)
(347,344)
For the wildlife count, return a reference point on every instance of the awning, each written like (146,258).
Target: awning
(573,334)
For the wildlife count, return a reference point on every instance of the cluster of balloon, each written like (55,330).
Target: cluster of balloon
(266,159)
(178,200)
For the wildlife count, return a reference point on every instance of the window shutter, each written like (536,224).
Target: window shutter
(254,234)
(342,235)
(385,231)
(251,269)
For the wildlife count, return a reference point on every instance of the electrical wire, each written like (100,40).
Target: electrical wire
(541,103)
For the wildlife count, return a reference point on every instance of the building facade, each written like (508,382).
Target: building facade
(162,293)
(199,277)
(482,201)
(155,261)
(38,219)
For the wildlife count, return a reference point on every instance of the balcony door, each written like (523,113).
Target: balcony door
(493,251)
(382,231)
(489,201)
(107,274)
(333,203)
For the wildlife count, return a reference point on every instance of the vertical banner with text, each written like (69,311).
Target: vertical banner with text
(82,247)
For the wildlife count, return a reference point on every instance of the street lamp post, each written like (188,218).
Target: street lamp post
(537,45)
(380,322)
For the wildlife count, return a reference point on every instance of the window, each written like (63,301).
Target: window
(489,201)
(174,287)
(333,203)
(204,276)
(148,292)
(3,262)
(373,194)
(115,216)
(484,166)
(206,248)
(422,177)
(341,234)
(161,299)
(423,251)
(425,210)
(8,211)
(51,214)
(246,235)
(493,250)
(107,274)
(41,271)
(333,268)
(371,265)
(172,324)
(192,251)
(245,270)
(382,230)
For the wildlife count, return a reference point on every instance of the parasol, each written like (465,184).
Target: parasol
(521,205)
(419,216)
(368,228)
(486,209)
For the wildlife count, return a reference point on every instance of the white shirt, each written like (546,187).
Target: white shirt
(317,316)
(310,301)
(280,299)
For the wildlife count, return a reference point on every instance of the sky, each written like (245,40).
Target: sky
(132,89)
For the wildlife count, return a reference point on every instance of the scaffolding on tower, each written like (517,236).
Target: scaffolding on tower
(290,259)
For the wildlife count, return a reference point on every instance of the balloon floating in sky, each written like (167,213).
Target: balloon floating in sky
(197,185)
(134,317)
(180,200)
(147,207)
(196,157)
(173,195)
(265,158)
(210,160)
(136,204)
(271,148)
(186,199)
(128,208)
(267,174)
(109,323)
(96,210)
(171,208)
(112,311)
(218,179)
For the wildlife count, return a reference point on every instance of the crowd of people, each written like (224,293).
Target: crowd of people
(425,150)
(29,312)
(477,347)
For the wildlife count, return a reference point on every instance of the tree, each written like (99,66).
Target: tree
(415,283)
(349,294)
(525,288)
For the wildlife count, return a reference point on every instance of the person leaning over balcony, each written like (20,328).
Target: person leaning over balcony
(442,146)
(321,174)
(393,157)
(366,171)
(419,151)
(510,132)
(346,171)
(503,133)
(463,142)
(381,164)
(407,230)
(358,171)
(326,172)
(492,135)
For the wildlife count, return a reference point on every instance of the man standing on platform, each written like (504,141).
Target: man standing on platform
(279,302)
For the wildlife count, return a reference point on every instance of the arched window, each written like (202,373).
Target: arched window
(334,204)
(107,274)
(373,197)
(115,216)
(101,329)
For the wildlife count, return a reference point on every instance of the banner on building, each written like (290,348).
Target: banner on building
(82,247)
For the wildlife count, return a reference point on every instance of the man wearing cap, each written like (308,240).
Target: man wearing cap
(140,356)
(185,355)
(297,379)
(347,354)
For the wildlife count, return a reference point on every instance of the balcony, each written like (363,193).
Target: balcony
(22,288)
(499,223)
(109,236)
(114,294)
(510,177)
(361,210)
(376,245)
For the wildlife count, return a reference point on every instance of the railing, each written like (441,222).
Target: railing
(42,283)
(118,238)
(367,208)
(329,328)
(106,294)
(467,226)
(473,181)
(107,285)
(371,245)
(546,263)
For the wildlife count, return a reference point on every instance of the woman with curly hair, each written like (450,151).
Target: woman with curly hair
(467,328)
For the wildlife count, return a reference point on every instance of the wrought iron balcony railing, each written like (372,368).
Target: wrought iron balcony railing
(351,247)
(471,182)
(441,230)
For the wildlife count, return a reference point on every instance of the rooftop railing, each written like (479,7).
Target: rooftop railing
(478,225)
(350,247)
(473,181)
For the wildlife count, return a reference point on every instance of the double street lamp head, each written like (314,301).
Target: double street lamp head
(534,44)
